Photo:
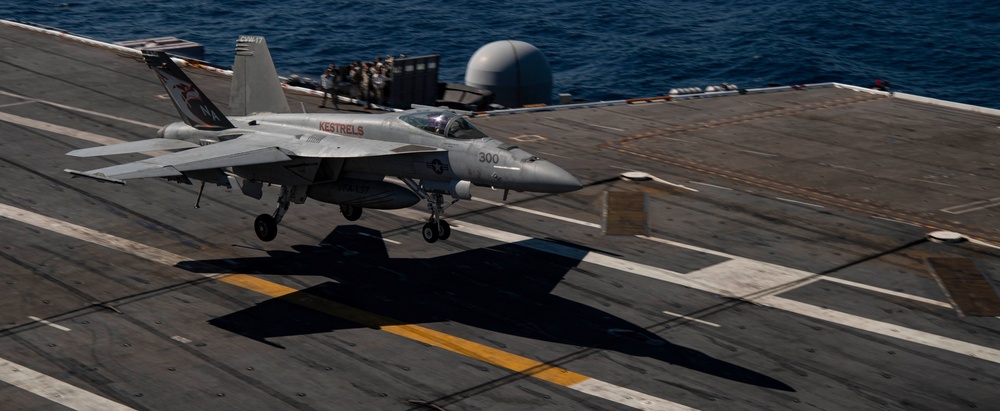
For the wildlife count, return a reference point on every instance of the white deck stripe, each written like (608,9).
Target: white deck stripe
(887,292)
(85,111)
(983,243)
(66,131)
(895,221)
(49,323)
(692,319)
(788,200)
(626,396)
(973,206)
(380,237)
(662,181)
(69,132)
(804,274)
(54,390)
(882,328)
(711,185)
(92,236)
(19,103)
(539,213)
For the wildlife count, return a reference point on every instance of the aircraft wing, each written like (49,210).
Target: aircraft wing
(230,153)
(243,151)
(338,146)
(152,144)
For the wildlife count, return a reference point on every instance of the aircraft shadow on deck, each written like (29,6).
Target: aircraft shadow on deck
(505,288)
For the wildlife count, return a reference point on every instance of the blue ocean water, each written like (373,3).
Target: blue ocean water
(598,50)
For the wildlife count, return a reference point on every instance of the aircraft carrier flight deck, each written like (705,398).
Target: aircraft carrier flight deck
(767,251)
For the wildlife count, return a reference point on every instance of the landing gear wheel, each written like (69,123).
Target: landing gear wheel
(445,230)
(265,227)
(430,232)
(351,213)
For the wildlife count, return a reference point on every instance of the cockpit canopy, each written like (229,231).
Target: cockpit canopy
(444,123)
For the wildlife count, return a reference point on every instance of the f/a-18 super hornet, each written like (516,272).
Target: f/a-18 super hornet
(334,158)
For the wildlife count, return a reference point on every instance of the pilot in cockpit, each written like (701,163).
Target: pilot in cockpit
(445,124)
(437,123)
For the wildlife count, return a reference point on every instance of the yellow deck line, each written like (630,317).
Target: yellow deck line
(425,335)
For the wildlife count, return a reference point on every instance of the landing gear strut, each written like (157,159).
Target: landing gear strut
(266,226)
(436,228)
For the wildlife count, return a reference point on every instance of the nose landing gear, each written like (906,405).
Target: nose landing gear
(436,227)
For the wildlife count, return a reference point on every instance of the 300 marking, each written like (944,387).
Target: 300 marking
(489,158)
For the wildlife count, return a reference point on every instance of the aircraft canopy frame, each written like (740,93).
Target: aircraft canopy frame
(444,123)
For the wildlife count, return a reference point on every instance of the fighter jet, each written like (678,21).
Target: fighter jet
(341,159)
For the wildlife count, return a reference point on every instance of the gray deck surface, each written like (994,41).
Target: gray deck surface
(801,254)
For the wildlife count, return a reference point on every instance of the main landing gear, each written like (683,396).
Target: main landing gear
(351,213)
(436,228)
(266,226)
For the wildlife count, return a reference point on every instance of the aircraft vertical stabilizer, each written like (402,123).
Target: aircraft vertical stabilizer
(255,87)
(193,105)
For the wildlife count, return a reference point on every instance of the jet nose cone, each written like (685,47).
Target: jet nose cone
(550,178)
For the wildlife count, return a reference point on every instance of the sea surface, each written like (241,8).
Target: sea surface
(598,50)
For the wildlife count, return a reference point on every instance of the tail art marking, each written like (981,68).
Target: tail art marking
(194,107)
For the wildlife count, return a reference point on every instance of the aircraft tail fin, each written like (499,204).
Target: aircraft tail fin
(194,106)
(255,87)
